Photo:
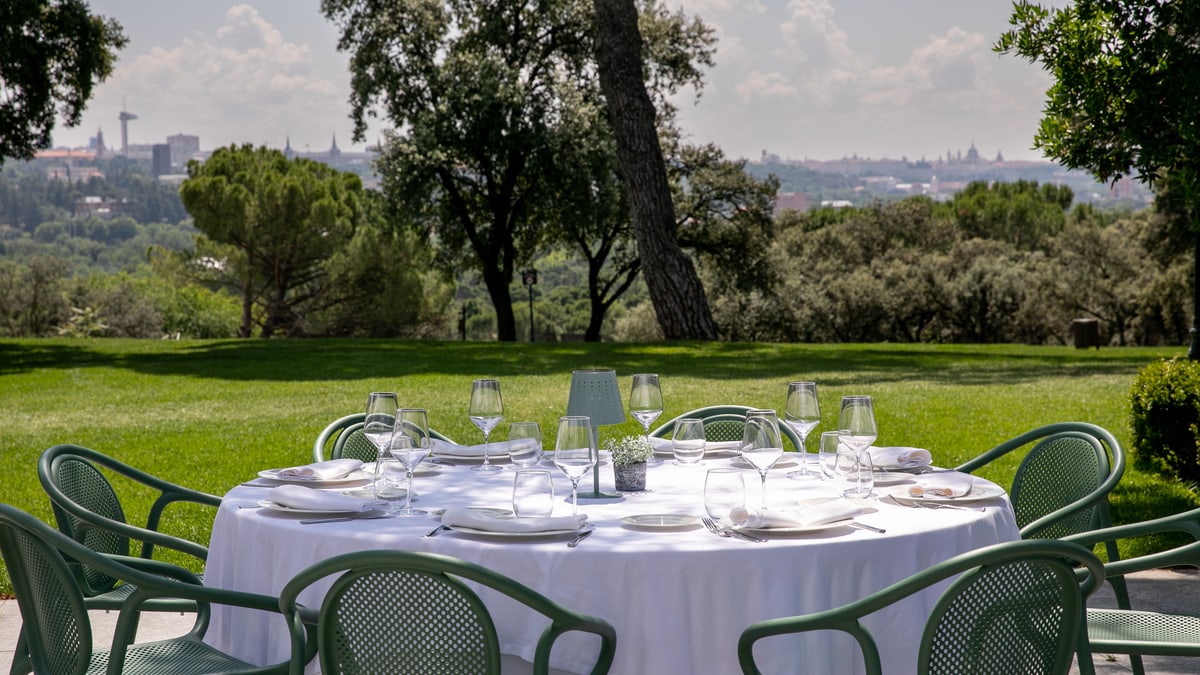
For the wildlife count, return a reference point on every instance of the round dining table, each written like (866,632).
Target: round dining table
(677,594)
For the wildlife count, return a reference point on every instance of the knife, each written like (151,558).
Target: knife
(342,519)
(579,537)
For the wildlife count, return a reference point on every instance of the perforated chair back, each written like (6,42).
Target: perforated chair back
(82,483)
(58,639)
(722,423)
(407,612)
(344,438)
(1012,608)
(1018,617)
(1063,481)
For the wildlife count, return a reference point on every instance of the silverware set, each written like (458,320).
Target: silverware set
(727,532)
(579,537)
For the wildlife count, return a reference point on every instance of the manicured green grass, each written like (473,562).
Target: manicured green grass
(210,414)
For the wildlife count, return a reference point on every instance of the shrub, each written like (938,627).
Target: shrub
(1166,418)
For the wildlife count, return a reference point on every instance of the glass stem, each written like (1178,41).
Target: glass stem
(575,498)
(764,489)
(485,449)
(409,498)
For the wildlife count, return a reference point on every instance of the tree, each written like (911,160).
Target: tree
(675,287)
(52,54)
(1125,100)
(286,217)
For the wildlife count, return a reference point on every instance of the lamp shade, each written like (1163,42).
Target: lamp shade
(594,393)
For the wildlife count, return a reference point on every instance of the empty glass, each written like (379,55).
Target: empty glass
(645,400)
(854,474)
(762,445)
(524,444)
(390,481)
(486,411)
(802,413)
(380,420)
(856,422)
(831,442)
(575,452)
(410,445)
(688,441)
(724,490)
(533,493)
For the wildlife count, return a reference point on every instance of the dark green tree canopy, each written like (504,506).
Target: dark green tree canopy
(52,54)
(1125,99)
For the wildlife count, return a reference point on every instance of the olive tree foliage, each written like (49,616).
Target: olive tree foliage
(284,218)
(908,271)
(52,54)
(1125,99)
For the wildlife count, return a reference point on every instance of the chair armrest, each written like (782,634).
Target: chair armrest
(1187,523)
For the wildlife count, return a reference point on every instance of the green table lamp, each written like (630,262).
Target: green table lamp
(594,393)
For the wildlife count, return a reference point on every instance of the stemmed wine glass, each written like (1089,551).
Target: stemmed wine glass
(575,452)
(802,413)
(856,423)
(487,409)
(645,401)
(761,444)
(379,421)
(411,445)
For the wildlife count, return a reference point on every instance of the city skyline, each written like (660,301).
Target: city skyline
(806,79)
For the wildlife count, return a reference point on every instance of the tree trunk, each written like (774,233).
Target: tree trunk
(675,288)
(506,320)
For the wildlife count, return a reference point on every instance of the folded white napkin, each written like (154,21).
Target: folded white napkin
(461,516)
(327,470)
(663,446)
(807,516)
(445,448)
(941,484)
(899,456)
(302,497)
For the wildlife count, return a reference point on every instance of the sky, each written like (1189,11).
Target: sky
(802,79)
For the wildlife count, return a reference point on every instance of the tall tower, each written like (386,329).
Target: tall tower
(125,116)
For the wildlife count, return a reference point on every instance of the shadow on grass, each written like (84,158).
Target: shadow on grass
(332,359)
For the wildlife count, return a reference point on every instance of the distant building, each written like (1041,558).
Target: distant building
(795,201)
(160,159)
(97,207)
(183,148)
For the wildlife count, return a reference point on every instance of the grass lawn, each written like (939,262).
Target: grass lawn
(210,414)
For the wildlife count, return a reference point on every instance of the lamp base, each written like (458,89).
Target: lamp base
(598,494)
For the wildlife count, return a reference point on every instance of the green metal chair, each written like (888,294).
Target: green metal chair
(1136,633)
(57,631)
(1016,608)
(1062,484)
(344,438)
(89,511)
(446,627)
(722,423)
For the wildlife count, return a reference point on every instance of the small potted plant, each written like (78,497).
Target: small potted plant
(629,455)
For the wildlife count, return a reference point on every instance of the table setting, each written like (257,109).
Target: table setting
(642,557)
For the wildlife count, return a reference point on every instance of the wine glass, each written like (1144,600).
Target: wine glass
(411,445)
(645,400)
(487,409)
(524,443)
(761,444)
(856,423)
(802,413)
(575,452)
(379,422)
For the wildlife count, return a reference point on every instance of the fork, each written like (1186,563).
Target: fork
(727,532)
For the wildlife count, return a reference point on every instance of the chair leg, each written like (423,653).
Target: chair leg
(21,664)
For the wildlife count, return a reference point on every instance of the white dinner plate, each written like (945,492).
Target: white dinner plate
(662,521)
(514,535)
(273,474)
(493,458)
(784,462)
(979,492)
(796,529)
(482,510)
(273,506)
(425,468)
(883,478)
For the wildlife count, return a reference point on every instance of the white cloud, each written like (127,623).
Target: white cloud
(244,82)
(702,6)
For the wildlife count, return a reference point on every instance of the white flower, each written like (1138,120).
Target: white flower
(629,450)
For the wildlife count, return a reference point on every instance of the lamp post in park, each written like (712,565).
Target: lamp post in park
(529,278)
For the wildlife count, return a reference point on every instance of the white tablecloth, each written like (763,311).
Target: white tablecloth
(678,599)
